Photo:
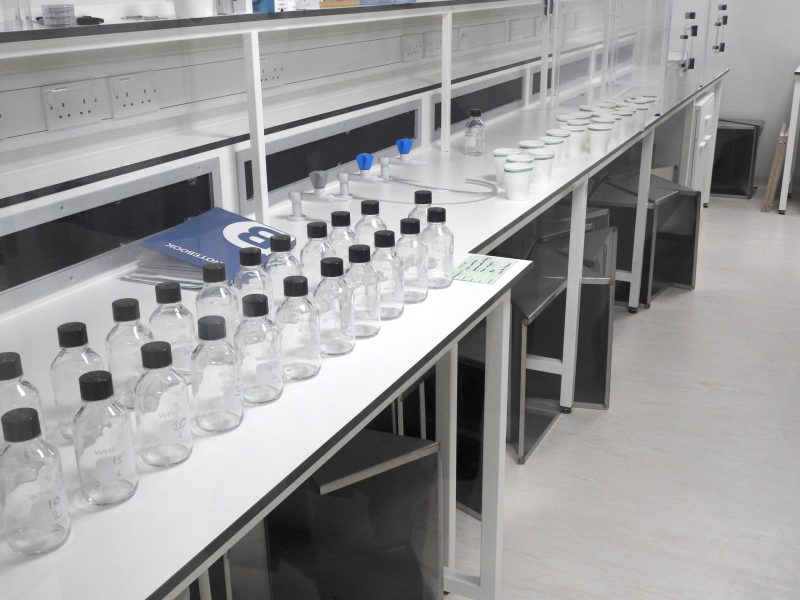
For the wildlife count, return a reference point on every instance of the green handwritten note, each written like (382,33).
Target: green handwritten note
(482,269)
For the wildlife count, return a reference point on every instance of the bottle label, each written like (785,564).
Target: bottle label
(50,505)
(470,141)
(174,427)
(119,465)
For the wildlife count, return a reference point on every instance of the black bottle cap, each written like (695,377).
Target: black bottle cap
(340,218)
(317,229)
(475,112)
(213,272)
(10,366)
(255,305)
(156,355)
(331,266)
(358,253)
(370,207)
(384,238)
(21,424)
(96,385)
(211,328)
(423,197)
(295,286)
(72,335)
(280,242)
(437,214)
(409,226)
(250,257)
(168,292)
(125,309)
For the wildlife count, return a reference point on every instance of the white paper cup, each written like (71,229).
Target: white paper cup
(569,144)
(578,139)
(193,9)
(500,155)
(564,119)
(627,122)
(542,166)
(525,146)
(521,158)
(642,111)
(556,146)
(518,180)
(599,138)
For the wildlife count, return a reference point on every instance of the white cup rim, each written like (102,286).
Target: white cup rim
(551,140)
(543,154)
(530,144)
(599,127)
(562,133)
(504,151)
(517,167)
(519,158)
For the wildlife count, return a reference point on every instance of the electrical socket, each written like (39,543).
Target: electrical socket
(273,70)
(433,44)
(133,94)
(520,29)
(413,47)
(76,103)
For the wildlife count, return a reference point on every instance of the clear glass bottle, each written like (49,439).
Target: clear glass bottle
(422,202)
(172,322)
(317,248)
(251,278)
(280,265)
(414,260)
(389,268)
(215,378)
(217,298)
(15,392)
(369,223)
(298,322)
(438,240)
(73,360)
(258,348)
(363,280)
(334,302)
(104,447)
(32,492)
(163,412)
(122,348)
(342,237)
(474,134)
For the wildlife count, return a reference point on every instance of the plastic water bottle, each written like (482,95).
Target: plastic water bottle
(317,248)
(342,237)
(251,278)
(258,348)
(215,378)
(123,343)
(389,267)
(414,260)
(334,302)
(163,413)
(280,265)
(172,322)
(298,322)
(438,240)
(73,360)
(32,492)
(363,280)
(103,441)
(474,134)
(369,223)
(422,202)
(217,298)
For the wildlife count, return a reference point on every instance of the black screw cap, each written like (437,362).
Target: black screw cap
(280,242)
(211,328)
(340,218)
(72,335)
(331,266)
(370,207)
(168,292)
(156,355)
(358,253)
(409,226)
(213,272)
(10,366)
(21,424)
(126,309)
(295,286)
(384,238)
(317,229)
(423,197)
(250,257)
(437,214)
(474,112)
(255,305)
(96,385)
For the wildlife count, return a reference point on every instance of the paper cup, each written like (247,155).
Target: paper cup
(526,146)
(599,138)
(556,146)
(518,180)
(542,166)
(500,155)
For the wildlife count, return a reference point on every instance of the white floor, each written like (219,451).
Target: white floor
(689,486)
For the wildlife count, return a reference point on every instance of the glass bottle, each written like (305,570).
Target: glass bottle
(258,348)
(369,223)
(438,240)
(15,392)
(122,347)
(387,264)
(103,438)
(172,322)
(317,248)
(280,265)
(216,297)
(414,260)
(215,378)
(298,322)
(422,202)
(251,278)
(342,237)
(474,134)
(363,280)
(334,302)
(163,412)
(73,360)
(32,492)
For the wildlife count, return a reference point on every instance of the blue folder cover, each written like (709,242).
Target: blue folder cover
(214,236)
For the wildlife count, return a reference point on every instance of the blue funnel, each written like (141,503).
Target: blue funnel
(364,161)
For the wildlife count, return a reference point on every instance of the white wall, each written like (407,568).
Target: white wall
(762,53)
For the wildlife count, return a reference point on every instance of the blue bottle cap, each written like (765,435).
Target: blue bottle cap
(364,161)
(404,145)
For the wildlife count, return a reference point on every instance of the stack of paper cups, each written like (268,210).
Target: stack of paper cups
(569,142)
(557,147)
(599,137)
(578,139)
(543,165)
(500,155)
(518,180)
(525,146)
